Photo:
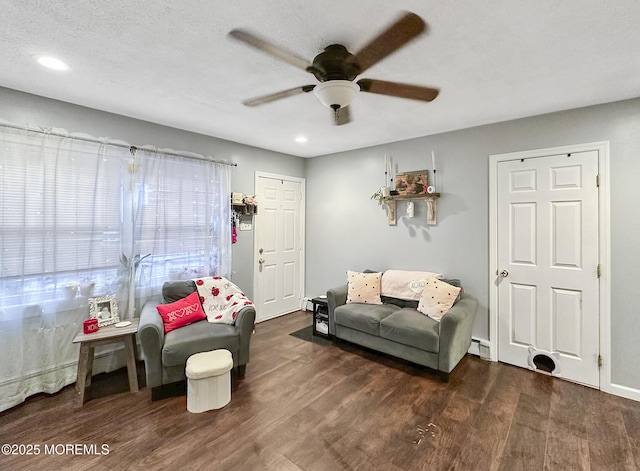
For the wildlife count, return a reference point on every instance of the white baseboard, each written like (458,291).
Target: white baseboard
(622,391)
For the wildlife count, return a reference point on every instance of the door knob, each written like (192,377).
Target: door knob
(504,273)
(261,261)
(260,251)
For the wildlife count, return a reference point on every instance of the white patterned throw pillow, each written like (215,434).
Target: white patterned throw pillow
(363,287)
(437,298)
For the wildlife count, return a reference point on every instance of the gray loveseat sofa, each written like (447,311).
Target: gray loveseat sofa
(165,355)
(397,328)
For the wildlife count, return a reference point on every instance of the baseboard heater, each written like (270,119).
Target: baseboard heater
(480,347)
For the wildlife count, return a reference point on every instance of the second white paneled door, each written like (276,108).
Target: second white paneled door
(278,245)
(548,293)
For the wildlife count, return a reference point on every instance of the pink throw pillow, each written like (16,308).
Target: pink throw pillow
(182,312)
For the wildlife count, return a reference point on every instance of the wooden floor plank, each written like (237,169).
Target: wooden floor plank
(486,441)
(526,443)
(609,445)
(306,406)
(567,444)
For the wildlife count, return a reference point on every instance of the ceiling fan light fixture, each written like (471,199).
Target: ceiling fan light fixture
(336,94)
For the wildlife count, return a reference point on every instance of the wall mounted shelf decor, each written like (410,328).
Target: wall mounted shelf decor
(391,203)
(408,186)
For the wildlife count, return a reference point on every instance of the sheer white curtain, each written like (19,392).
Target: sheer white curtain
(60,243)
(181,220)
(77,219)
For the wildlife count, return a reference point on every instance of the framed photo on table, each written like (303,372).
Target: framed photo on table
(105,309)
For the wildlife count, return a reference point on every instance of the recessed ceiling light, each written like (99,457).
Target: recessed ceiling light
(301,139)
(51,63)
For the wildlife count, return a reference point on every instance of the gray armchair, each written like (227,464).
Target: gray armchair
(165,356)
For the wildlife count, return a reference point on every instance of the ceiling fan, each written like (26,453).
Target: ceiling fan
(336,68)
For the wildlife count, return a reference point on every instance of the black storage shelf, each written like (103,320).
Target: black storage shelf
(321,317)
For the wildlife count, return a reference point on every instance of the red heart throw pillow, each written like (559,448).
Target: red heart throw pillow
(182,312)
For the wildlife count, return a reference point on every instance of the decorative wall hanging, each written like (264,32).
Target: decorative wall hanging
(243,208)
(412,183)
(410,209)
(408,186)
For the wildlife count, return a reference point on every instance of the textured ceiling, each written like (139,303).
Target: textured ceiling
(171,62)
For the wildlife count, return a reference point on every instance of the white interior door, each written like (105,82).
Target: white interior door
(547,250)
(278,244)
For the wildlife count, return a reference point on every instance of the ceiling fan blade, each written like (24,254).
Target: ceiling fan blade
(394,37)
(276,96)
(261,44)
(342,116)
(403,90)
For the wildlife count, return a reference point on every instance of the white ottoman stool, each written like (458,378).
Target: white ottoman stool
(208,380)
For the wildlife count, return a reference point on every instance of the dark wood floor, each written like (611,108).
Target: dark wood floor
(306,406)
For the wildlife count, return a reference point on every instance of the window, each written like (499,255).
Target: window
(180,212)
(60,219)
(77,218)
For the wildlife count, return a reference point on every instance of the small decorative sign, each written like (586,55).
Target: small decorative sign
(412,183)
(105,309)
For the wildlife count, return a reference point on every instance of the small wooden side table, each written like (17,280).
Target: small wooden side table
(104,336)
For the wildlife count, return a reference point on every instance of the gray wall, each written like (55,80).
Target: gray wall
(22,108)
(347,230)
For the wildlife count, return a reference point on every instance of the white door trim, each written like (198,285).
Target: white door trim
(302,228)
(604,249)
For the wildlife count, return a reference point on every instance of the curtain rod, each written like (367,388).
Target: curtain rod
(131,148)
